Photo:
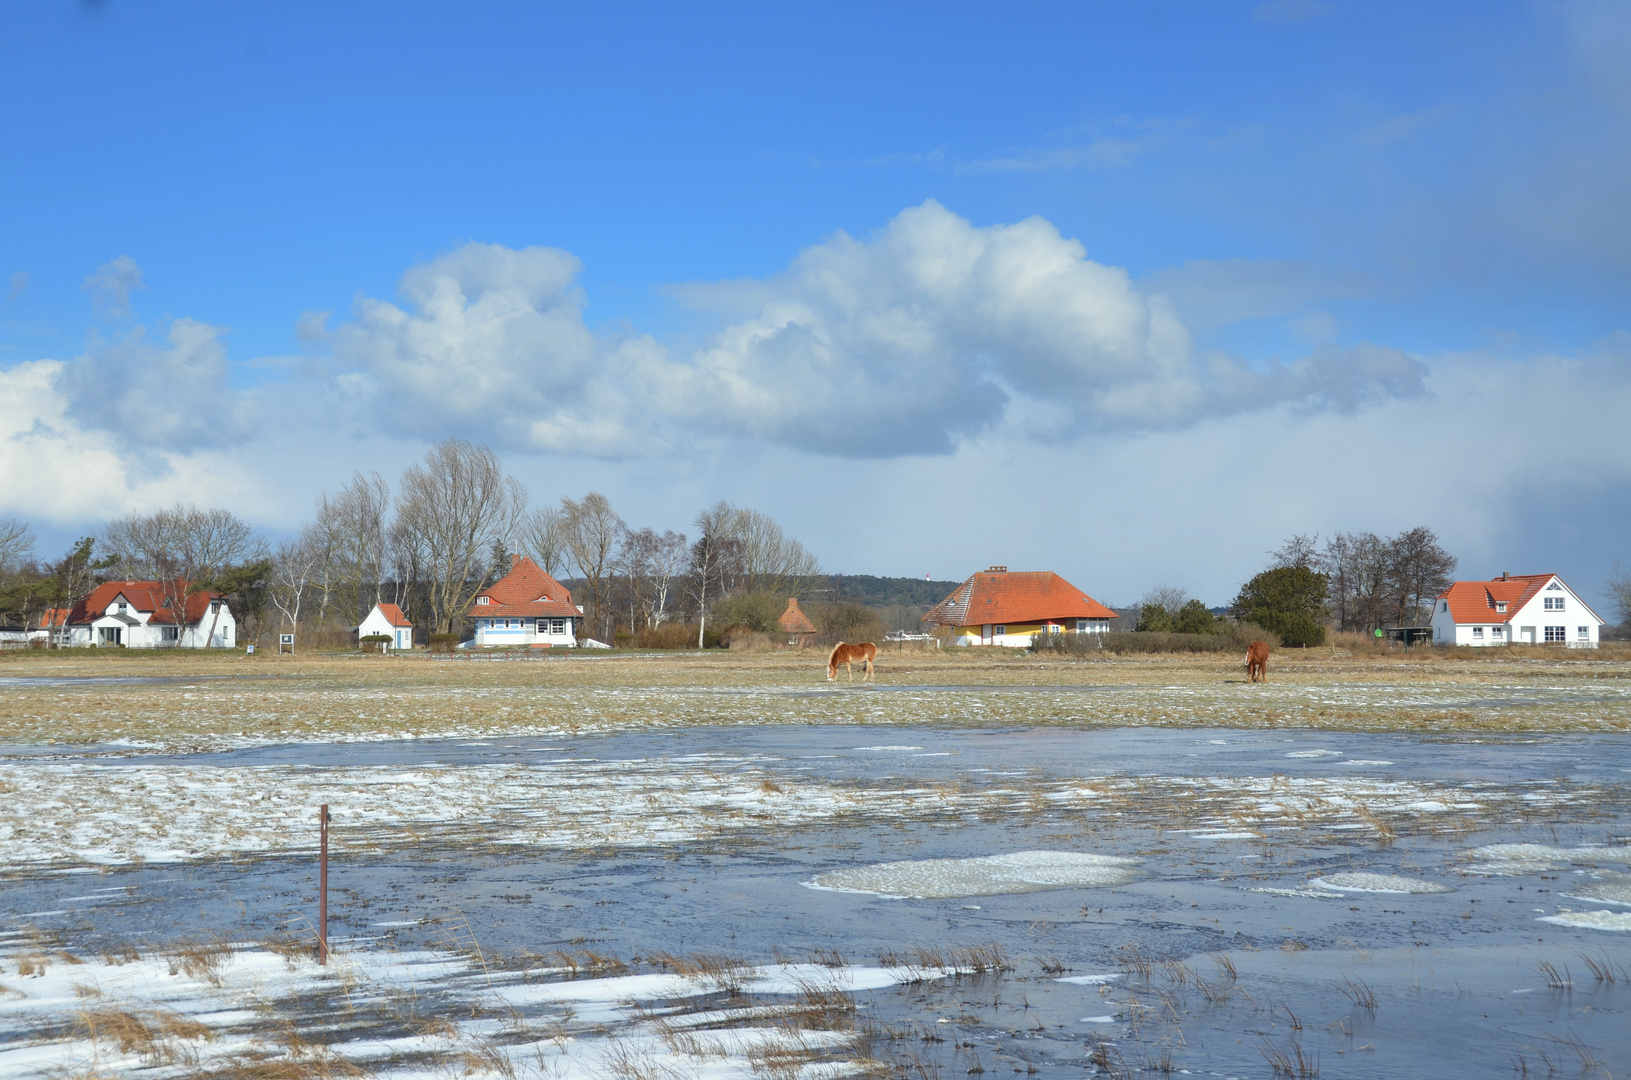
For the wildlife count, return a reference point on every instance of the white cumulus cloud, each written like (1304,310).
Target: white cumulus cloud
(907,342)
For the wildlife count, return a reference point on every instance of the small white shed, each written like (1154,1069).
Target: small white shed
(388,620)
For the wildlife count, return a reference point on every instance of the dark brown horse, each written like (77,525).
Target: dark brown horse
(862,654)
(1257,662)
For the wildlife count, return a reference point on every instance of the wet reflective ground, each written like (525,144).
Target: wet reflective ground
(1234,948)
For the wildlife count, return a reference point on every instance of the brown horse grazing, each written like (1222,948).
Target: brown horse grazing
(1257,662)
(862,654)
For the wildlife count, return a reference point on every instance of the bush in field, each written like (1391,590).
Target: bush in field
(1229,638)
(443,642)
(1289,600)
(1166,611)
(846,622)
(668,636)
(756,611)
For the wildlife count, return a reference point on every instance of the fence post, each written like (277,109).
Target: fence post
(322,885)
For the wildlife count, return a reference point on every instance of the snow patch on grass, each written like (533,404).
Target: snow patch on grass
(1018,872)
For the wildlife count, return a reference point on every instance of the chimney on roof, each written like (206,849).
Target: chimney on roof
(1505,576)
(515,561)
(997,570)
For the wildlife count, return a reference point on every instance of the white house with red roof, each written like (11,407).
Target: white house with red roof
(525,607)
(999,607)
(387,620)
(137,615)
(1514,609)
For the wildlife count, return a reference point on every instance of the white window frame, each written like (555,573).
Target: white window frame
(1553,635)
(1585,634)
(1478,633)
(1552,603)
(482,601)
(170,633)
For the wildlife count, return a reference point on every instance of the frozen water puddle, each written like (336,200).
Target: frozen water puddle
(254,1011)
(1018,872)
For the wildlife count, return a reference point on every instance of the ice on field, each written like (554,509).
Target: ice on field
(1610,890)
(1090,980)
(1516,860)
(1378,883)
(1019,872)
(1590,920)
(1314,753)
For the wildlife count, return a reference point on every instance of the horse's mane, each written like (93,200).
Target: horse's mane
(834,652)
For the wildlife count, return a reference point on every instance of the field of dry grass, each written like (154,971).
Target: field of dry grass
(224,700)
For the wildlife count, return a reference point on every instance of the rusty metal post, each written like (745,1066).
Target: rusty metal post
(322,885)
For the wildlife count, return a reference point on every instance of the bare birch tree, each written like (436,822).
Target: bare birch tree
(714,559)
(293,564)
(457,505)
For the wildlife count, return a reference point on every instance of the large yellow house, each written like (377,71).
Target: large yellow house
(1002,608)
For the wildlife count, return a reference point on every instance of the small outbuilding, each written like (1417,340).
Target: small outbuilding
(1002,608)
(795,624)
(387,620)
(1514,609)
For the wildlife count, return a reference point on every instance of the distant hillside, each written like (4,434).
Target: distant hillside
(879,591)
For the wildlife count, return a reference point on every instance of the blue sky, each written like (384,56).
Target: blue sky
(1375,255)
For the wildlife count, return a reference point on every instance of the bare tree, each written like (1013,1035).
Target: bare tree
(457,505)
(591,531)
(1166,597)
(293,564)
(543,538)
(668,556)
(16,546)
(1421,571)
(714,559)
(1301,550)
(771,561)
(1619,593)
(352,527)
(182,548)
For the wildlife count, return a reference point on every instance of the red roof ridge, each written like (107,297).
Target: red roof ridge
(1007,596)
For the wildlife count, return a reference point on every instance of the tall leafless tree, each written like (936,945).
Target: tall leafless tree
(351,526)
(543,538)
(1421,571)
(591,530)
(455,507)
(16,546)
(293,565)
(1619,593)
(715,559)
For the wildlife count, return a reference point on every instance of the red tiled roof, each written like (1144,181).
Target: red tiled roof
(54,616)
(145,596)
(1474,601)
(793,620)
(393,615)
(998,596)
(525,590)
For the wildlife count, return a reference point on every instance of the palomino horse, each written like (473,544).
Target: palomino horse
(1257,662)
(862,654)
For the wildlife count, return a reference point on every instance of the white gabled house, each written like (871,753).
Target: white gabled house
(387,620)
(525,607)
(136,615)
(1514,609)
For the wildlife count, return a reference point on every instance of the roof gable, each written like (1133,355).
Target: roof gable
(147,597)
(1479,601)
(525,590)
(393,614)
(794,621)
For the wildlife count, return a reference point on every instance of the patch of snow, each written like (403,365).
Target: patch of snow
(883,748)
(1090,980)
(1366,761)
(1019,872)
(1609,890)
(1378,883)
(1097,1020)
(1516,860)
(1591,920)
(1314,753)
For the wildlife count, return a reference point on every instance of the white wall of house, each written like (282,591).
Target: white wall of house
(376,623)
(1018,636)
(133,631)
(526,630)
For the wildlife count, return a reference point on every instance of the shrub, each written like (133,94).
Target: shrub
(1289,600)
(1231,637)
(668,636)
(443,642)
(846,622)
(756,611)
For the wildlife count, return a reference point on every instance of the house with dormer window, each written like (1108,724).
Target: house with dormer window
(1514,609)
(137,615)
(525,607)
